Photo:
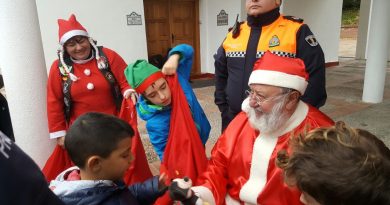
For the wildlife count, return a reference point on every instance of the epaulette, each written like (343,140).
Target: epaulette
(293,18)
(236,28)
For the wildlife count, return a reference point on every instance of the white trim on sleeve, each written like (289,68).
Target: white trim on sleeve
(205,194)
(262,152)
(54,135)
(130,90)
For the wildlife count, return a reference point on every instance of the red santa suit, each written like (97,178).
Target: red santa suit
(97,97)
(242,167)
(90,91)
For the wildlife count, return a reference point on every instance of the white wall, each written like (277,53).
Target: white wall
(109,28)
(105,21)
(323,18)
(212,35)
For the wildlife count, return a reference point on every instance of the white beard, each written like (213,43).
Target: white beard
(267,122)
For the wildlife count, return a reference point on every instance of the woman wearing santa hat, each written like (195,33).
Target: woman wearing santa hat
(84,78)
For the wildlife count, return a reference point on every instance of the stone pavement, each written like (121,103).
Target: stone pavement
(345,89)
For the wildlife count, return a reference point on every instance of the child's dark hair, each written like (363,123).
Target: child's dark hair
(339,166)
(95,134)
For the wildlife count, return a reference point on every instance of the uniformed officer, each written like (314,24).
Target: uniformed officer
(265,29)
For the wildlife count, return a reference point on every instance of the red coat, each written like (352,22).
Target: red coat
(242,165)
(99,99)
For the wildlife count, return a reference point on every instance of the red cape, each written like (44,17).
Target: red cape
(139,169)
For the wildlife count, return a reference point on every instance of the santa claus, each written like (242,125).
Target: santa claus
(242,166)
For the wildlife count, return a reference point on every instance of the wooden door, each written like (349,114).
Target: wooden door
(172,22)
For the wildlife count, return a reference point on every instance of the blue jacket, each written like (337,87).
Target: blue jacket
(104,192)
(158,118)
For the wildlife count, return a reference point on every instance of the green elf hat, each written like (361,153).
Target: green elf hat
(141,74)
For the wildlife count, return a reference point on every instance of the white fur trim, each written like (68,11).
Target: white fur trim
(205,194)
(262,151)
(296,119)
(280,79)
(229,200)
(129,91)
(261,155)
(54,135)
(245,105)
(82,61)
(72,33)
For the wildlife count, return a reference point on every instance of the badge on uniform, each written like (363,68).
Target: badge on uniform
(311,40)
(274,41)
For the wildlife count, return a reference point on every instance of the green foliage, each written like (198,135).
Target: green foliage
(351,4)
(350,17)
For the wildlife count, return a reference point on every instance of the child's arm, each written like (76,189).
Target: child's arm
(170,67)
(148,191)
(180,59)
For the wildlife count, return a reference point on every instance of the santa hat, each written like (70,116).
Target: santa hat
(141,74)
(280,71)
(68,29)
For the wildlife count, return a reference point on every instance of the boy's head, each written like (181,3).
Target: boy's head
(149,81)
(100,145)
(340,166)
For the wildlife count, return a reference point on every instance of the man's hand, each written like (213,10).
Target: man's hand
(170,67)
(60,141)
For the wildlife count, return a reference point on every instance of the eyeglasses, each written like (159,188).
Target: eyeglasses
(261,99)
(76,40)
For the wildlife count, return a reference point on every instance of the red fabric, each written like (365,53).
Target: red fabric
(184,154)
(231,161)
(148,81)
(58,161)
(290,66)
(139,169)
(83,100)
(65,26)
